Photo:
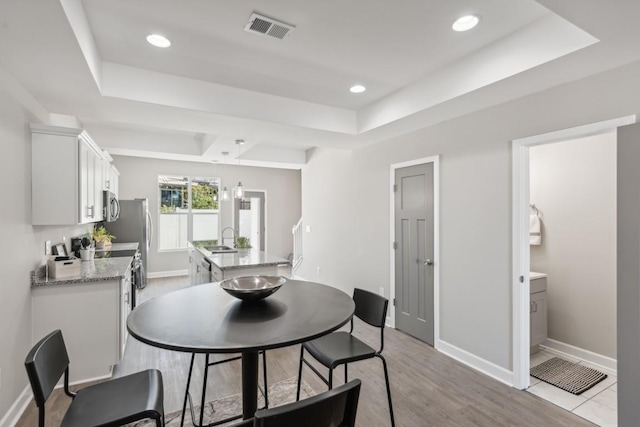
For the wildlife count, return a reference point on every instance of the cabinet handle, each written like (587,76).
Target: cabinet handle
(535,307)
(428,262)
(90,213)
(197,269)
(126,297)
(530,307)
(107,184)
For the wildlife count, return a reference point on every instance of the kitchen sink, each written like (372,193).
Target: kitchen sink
(221,249)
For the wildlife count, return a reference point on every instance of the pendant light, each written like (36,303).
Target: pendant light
(225,192)
(238,192)
(215,195)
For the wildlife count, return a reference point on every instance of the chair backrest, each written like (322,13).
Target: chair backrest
(45,364)
(370,307)
(334,408)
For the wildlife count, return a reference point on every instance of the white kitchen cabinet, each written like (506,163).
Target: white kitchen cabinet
(125,309)
(111,175)
(91,182)
(218,274)
(89,315)
(199,267)
(114,180)
(67,176)
(193,265)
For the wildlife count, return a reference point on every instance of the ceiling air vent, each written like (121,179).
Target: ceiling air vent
(263,26)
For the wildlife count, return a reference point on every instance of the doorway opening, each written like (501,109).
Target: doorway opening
(414,249)
(521,235)
(249,216)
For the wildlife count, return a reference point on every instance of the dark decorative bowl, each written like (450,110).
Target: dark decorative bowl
(252,288)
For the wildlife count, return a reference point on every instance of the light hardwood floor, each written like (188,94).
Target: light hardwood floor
(428,388)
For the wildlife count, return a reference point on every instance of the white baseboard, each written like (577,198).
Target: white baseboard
(16,410)
(582,354)
(488,368)
(171,273)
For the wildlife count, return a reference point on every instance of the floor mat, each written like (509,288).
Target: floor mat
(568,376)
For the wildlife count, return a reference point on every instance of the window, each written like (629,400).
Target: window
(188,211)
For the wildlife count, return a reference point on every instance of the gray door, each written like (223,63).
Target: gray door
(628,274)
(414,251)
(249,218)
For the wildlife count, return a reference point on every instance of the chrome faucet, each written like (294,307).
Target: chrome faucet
(233,235)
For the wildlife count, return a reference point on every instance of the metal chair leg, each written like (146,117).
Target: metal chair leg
(330,378)
(386,379)
(264,372)
(299,374)
(346,376)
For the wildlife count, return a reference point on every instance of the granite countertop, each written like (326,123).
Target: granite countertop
(120,247)
(242,259)
(96,270)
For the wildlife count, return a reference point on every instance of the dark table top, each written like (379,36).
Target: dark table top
(205,319)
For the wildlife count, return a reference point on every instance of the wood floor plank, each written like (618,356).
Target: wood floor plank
(428,388)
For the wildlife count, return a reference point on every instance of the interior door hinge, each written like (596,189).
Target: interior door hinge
(395,188)
(394,302)
(395,245)
(521,279)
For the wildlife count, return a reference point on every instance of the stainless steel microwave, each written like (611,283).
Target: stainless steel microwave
(111,207)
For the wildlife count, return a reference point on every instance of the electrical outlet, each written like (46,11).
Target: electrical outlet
(381,291)
(47,247)
(318,270)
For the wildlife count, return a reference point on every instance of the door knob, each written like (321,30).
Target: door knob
(428,262)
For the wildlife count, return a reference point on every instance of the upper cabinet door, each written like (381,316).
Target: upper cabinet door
(91,182)
(67,177)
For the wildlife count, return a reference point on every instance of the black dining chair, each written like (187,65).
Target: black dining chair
(342,348)
(112,403)
(207,364)
(333,408)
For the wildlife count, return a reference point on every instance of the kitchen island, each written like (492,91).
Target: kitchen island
(207,266)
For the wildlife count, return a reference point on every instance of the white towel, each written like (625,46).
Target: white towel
(535,236)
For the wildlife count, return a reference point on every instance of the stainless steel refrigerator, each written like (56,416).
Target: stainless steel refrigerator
(134,225)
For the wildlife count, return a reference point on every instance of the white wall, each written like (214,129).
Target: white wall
(573,183)
(348,209)
(139,179)
(22,249)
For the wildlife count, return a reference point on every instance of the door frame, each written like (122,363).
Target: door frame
(391,318)
(264,214)
(520,234)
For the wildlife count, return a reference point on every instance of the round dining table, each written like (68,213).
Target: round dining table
(205,319)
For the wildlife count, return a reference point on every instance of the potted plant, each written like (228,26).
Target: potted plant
(102,237)
(243,243)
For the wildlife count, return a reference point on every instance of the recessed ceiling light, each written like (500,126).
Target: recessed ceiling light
(465,23)
(357,89)
(158,40)
(239,141)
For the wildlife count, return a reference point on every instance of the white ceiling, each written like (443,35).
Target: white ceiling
(217,83)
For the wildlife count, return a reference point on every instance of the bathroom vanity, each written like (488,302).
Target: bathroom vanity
(537,310)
